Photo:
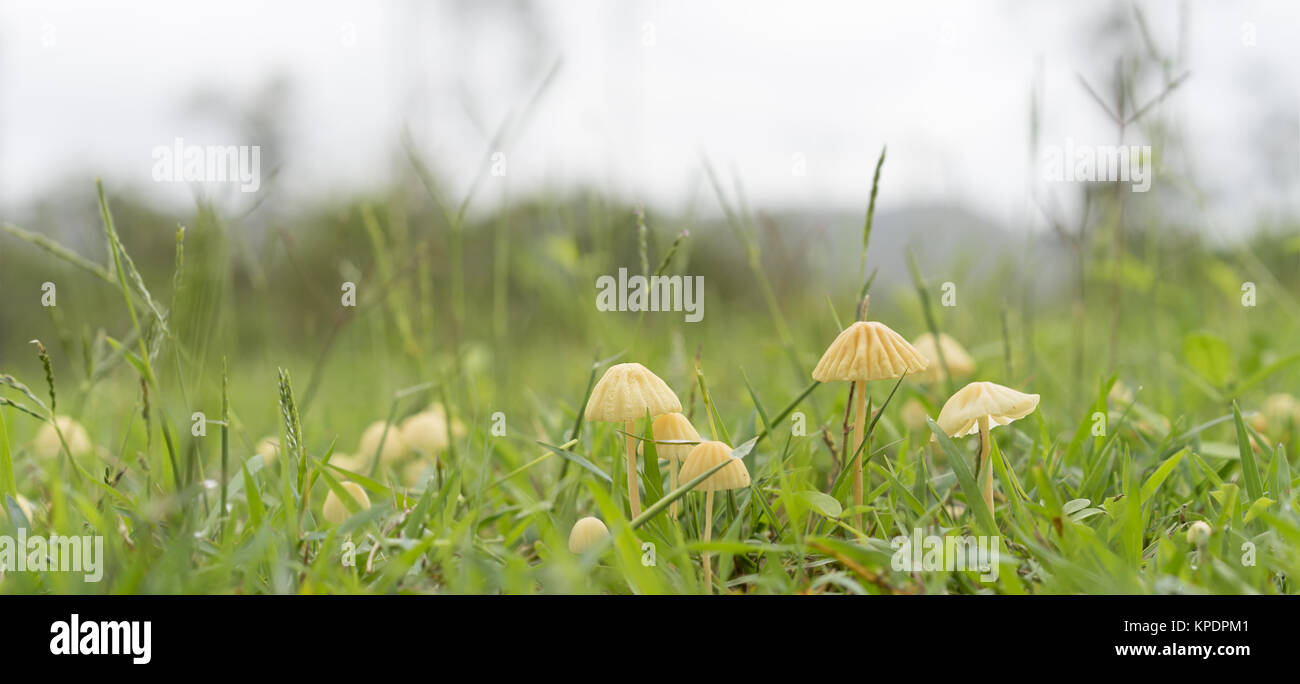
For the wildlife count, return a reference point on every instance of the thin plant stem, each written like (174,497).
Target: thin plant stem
(633,495)
(708,534)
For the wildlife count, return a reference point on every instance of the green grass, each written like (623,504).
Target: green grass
(509,341)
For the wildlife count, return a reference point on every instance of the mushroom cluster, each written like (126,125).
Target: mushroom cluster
(864,352)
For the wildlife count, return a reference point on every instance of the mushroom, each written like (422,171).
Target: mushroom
(703,458)
(1199,533)
(979,407)
(46,444)
(626,393)
(949,352)
(374,438)
(335,511)
(866,351)
(586,533)
(913,415)
(269,449)
(674,427)
(425,432)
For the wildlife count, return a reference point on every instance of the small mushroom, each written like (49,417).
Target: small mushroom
(979,407)
(674,427)
(866,351)
(586,533)
(703,458)
(1199,533)
(953,355)
(46,444)
(1279,411)
(425,432)
(626,393)
(335,511)
(382,439)
(269,449)
(913,415)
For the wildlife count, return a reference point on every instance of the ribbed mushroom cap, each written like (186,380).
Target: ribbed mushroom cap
(627,391)
(868,350)
(334,509)
(674,426)
(959,362)
(961,413)
(586,533)
(704,457)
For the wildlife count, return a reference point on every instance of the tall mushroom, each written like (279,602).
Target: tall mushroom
(626,393)
(866,351)
(946,352)
(979,407)
(703,458)
(674,427)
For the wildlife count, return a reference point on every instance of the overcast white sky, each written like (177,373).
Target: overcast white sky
(89,88)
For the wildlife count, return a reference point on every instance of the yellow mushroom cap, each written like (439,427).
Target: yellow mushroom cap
(959,362)
(1279,409)
(913,415)
(627,391)
(674,426)
(961,413)
(46,444)
(335,511)
(426,432)
(1199,533)
(586,533)
(866,351)
(704,457)
(268,448)
(394,448)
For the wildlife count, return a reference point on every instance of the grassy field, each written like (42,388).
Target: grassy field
(1163,402)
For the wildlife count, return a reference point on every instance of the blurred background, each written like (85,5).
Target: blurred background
(474,166)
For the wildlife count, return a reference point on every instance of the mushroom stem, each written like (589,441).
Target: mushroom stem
(633,492)
(708,533)
(985,470)
(859,434)
(672,485)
